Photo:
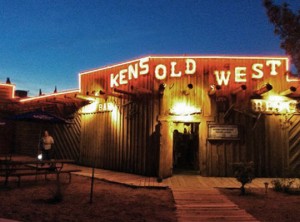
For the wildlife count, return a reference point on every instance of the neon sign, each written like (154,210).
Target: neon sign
(96,107)
(105,107)
(173,69)
(274,105)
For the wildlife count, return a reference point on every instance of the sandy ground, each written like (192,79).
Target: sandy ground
(273,207)
(111,202)
(114,202)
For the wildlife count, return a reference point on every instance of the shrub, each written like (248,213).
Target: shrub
(282,184)
(244,173)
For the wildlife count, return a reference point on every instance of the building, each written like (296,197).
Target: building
(163,114)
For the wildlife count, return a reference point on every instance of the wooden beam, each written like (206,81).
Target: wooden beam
(263,89)
(288,91)
(102,92)
(213,89)
(141,90)
(238,89)
(125,92)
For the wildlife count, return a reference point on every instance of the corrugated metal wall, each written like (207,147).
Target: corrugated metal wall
(66,138)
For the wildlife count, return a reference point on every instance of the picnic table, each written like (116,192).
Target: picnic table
(19,168)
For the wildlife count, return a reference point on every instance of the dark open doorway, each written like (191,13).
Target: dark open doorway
(186,148)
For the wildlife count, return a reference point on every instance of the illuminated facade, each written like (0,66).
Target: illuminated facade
(160,115)
(163,114)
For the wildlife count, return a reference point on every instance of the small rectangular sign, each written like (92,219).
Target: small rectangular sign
(223,132)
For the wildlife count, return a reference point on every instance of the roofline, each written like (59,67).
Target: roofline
(49,95)
(186,56)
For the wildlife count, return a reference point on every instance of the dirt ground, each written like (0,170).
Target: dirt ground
(111,202)
(273,207)
(114,202)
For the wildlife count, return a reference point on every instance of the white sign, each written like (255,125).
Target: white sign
(173,70)
(274,106)
(223,132)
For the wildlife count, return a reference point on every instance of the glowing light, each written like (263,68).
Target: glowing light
(114,113)
(290,78)
(90,108)
(221,78)
(49,95)
(181,109)
(139,67)
(274,105)
(13,87)
(40,156)
(273,64)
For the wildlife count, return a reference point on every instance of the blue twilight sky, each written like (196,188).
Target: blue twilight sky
(46,43)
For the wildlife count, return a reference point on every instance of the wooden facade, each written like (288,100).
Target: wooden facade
(160,115)
(139,135)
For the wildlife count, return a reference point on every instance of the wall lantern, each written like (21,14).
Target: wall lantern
(263,89)
(238,89)
(213,89)
(182,109)
(289,91)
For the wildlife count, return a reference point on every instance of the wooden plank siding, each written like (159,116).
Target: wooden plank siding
(140,139)
(125,140)
(66,138)
(136,136)
(7,135)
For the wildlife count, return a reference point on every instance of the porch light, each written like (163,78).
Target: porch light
(40,156)
(181,109)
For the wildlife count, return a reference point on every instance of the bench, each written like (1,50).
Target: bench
(9,168)
(35,173)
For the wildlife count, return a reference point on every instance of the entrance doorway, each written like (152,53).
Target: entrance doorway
(186,148)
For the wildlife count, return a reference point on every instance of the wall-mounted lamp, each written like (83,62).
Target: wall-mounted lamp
(238,89)
(289,91)
(213,89)
(263,89)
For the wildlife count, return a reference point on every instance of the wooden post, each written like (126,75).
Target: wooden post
(92,184)
(166,151)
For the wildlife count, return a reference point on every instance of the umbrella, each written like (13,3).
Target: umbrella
(38,116)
